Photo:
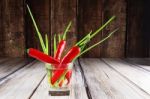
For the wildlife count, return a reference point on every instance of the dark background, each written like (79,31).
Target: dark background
(132,40)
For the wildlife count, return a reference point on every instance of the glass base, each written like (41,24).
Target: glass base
(65,91)
(59,93)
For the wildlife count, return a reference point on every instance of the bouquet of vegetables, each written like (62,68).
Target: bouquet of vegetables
(57,77)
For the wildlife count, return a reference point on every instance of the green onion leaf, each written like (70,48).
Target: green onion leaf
(37,30)
(103,26)
(66,30)
(101,41)
(59,37)
(98,30)
(87,39)
(55,44)
(47,47)
(78,43)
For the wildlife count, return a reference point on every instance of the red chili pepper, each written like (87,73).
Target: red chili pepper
(60,49)
(42,57)
(71,55)
(67,59)
(61,83)
(68,76)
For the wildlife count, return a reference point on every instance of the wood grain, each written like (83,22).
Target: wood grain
(90,18)
(1,29)
(12,65)
(105,83)
(22,83)
(77,89)
(62,12)
(2,60)
(135,36)
(52,16)
(138,76)
(115,46)
(41,13)
(13,28)
(140,62)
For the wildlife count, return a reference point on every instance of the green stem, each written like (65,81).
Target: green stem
(103,26)
(37,30)
(104,39)
(78,43)
(98,30)
(55,44)
(47,48)
(66,30)
(59,37)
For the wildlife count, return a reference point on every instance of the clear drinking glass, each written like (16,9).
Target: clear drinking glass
(59,79)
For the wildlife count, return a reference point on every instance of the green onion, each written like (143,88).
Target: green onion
(47,47)
(55,46)
(59,37)
(98,30)
(88,35)
(101,41)
(66,30)
(87,39)
(37,30)
(103,26)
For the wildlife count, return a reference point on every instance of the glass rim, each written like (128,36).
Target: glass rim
(52,66)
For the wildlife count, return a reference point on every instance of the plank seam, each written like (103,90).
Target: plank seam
(88,92)
(2,62)
(136,65)
(30,61)
(37,87)
(124,77)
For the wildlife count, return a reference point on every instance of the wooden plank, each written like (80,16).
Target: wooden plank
(41,13)
(12,66)
(145,25)
(135,39)
(22,83)
(77,89)
(90,18)
(138,76)
(10,61)
(1,29)
(3,60)
(140,62)
(13,28)
(115,46)
(105,83)
(62,12)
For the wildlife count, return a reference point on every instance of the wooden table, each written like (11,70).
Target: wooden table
(93,79)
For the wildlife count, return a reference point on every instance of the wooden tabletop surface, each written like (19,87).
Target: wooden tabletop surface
(93,78)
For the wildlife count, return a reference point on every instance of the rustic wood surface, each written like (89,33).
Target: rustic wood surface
(136,29)
(12,28)
(108,84)
(41,13)
(62,12)
(93,78)
(25,79)
(9,66)
(115,46)
(132,39)
(90,18)
(138,76)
